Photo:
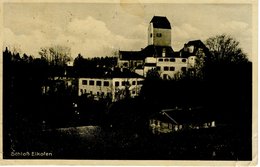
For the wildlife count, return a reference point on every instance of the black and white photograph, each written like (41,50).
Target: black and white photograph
(128,80)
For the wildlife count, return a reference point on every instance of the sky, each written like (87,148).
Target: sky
(100,29)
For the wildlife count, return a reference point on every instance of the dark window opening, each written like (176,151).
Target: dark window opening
(172,60)
(158,68)
(98,83)
(91,82)
(166,68)
(84,82)
(160,59)
(172,68)
(106,83)
(116,83)
(151,35)
(133,83)
(164,76)
(184,60)
(139,82)
(150,64)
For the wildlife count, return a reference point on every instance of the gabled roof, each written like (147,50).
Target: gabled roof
(161,22)
(156,51)
(197,44)
(184,116)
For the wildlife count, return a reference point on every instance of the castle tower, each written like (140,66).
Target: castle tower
(159,31)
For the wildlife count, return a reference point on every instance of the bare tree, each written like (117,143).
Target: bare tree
(224,48)
(56,55)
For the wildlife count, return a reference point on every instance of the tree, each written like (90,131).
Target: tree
(56,55)
(224,48)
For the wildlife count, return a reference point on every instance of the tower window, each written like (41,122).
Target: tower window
(183,60)
(151,35)
(159,34)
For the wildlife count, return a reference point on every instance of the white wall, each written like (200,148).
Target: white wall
(112,89)
(163,40)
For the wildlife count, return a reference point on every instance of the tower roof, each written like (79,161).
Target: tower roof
(161,22)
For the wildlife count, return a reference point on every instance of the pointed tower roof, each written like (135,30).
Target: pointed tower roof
(161,22)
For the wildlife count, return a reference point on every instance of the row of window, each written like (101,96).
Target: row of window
(84,91)
(170,60)
(106,83)
(166,68)
(92,82)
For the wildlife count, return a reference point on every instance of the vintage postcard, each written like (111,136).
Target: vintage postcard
(124,82)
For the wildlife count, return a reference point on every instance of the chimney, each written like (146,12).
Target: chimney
(163,52)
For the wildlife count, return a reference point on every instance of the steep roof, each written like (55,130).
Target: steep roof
(161,22)
(197,44)
(156,51)
(131,55)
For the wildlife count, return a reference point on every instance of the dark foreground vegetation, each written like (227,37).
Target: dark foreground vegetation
(32,121)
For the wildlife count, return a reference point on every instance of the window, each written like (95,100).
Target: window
(159,34)
(166,60)
(133,92)
(85,91)
(160,60)
(166,68)
(158,68)
(116,83)
(151,35)
(150,64)
(98,93)
(172,68)
(90,92)
(183,68)
(81,91)
(84,82)
(102,93)
(172,60)
(183,60)
(123,83)
(106,83)
(164,76)
(91,82)
(139,82)
(133,83)
(98,83)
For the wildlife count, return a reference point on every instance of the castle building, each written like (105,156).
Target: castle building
(159,54)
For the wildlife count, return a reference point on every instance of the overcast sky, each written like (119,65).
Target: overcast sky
(99,29)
